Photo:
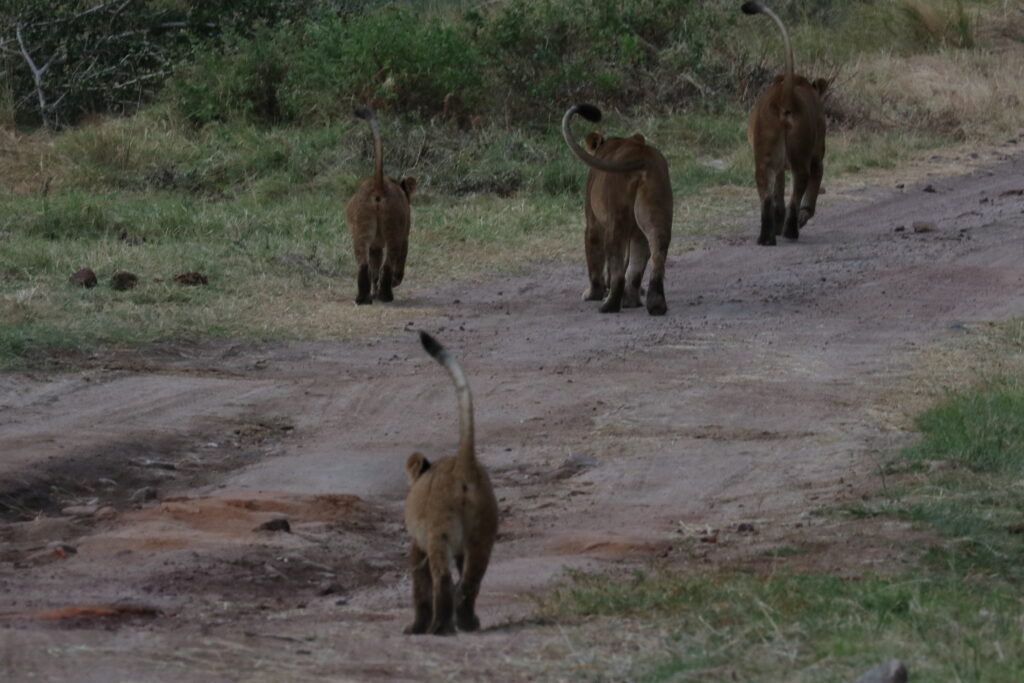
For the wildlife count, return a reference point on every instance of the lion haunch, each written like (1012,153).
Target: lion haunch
(451,514)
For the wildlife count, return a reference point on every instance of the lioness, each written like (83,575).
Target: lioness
(787,129)
(378,216)
(629,216)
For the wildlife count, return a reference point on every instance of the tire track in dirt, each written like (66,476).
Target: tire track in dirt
(609,437)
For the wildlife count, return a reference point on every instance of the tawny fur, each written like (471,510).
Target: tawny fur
(451,514)
(378,216)
(628,208)
(787,130)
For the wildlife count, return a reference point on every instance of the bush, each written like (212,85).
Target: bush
(512,58)
(393,58)
(562,51)
(318,69)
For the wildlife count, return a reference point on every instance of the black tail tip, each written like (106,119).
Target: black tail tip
(432,346)
(364,112)
(589,112)
(751,8)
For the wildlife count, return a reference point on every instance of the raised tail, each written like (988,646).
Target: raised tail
(788,77)
(591,113)
(367,114)
(466,455)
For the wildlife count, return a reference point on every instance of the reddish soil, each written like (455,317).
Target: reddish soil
(612,440)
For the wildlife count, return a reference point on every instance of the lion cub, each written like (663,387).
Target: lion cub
(450,513)
(378,216)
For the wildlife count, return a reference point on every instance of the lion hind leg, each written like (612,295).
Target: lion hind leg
(657,229)
(810,198)
(376,258)
(779,201)
(616,254)
(422,591)
(800,180)
(594,249)
(765,191)
(639,254)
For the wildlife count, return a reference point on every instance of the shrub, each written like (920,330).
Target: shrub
(392,57)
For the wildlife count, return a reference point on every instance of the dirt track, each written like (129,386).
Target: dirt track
(610,439)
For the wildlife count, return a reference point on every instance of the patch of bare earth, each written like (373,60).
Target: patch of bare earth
(765,395)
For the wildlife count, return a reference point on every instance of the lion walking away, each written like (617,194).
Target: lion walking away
(787,129)
(451,514)
(379,216)
(628,208)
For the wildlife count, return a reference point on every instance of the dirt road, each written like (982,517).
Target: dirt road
(611,439)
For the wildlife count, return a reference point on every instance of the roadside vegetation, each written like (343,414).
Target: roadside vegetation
(236,156)
(948,605)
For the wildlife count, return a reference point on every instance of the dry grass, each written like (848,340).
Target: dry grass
(983,352)
(964,95)
(933,24)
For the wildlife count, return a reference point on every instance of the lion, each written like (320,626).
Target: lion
(379,216)
(629,216)
(450,513)
(787,129)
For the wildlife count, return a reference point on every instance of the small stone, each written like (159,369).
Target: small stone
(924,226)
(332,588)
(191,279)
(144,494)
(892,671)
(929,188)
(276,524)
(123,281)
(61,548)
(83,278)
(80,510)
(106,512)
(745,528)
(899,228)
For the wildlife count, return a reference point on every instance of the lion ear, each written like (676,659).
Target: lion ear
(821,85)
(593,141)
(409,186)
(415,466)
(639,138)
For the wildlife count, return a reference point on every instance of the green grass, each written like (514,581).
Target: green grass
(277,270)
(954,614)
(261,213)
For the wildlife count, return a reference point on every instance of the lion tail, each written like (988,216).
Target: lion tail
(466,454)
(367,114)
(789,76)
(591,113)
